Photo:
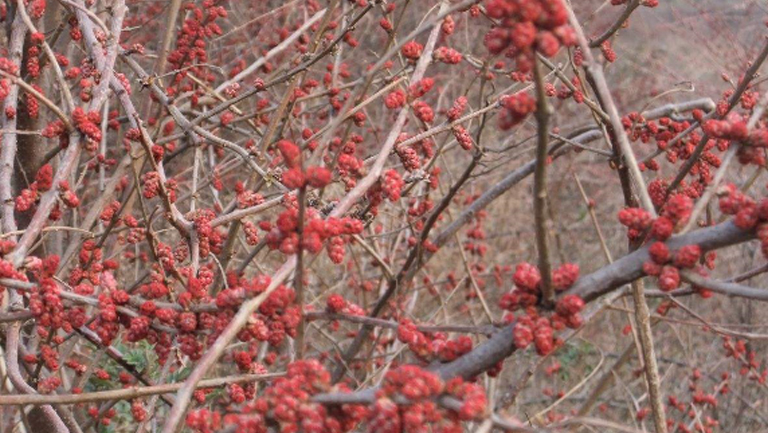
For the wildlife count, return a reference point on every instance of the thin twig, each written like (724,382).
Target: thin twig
(543,112)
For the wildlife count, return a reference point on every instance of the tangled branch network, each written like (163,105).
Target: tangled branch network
(393,216)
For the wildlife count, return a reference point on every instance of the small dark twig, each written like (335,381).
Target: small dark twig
(619,23)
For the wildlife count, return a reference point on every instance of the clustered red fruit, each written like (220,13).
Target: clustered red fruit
(336,304)
(747,213)
(336,231)
(447,55)
(665,132)
(528,27)
(448,26)
(204,421)
(462,137)
(412,50)
(28,197)
(247,198)
(210,240)
(730,129)
(286,402)
(191,47)
(531,327)
(515,108)
(138,411)
(408,155)
(421,87)
(348,166)
(430,346)
(423,111)
(395,99)
(664,264)
(295,177)
(390,187)
(67,196)
(36,8)
(527,279)
(386,24)
(153,187)
(420,388)
(675,212)
(722,129)
(607,50)
(749,365)
(456,111)
(277,317)
(88,124)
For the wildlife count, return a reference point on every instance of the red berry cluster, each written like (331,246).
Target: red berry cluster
(423,112)
(457,109)
(747,213)
(408,155)
(36,8)
(67,196)
(526,27)
(338,305)
(531,327)
(46,304)
(412,50)
(191,45)
(749,365)
(395,99)
(734,128)
(284,235)
(428,347)
(4,88)
(664,131)
(663,263)
(28,197)
(349,167)
(607,50)
(447,55)
(675,213)
(390,186)
(277,317)
(247,198)
(87,124)
(515,108)
(420,387)
(204,421)
(209,238)
(462,137)
(288,403)
(295,177)
(151,186)
(527,279)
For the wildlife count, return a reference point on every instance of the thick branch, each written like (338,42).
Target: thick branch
(589,287)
